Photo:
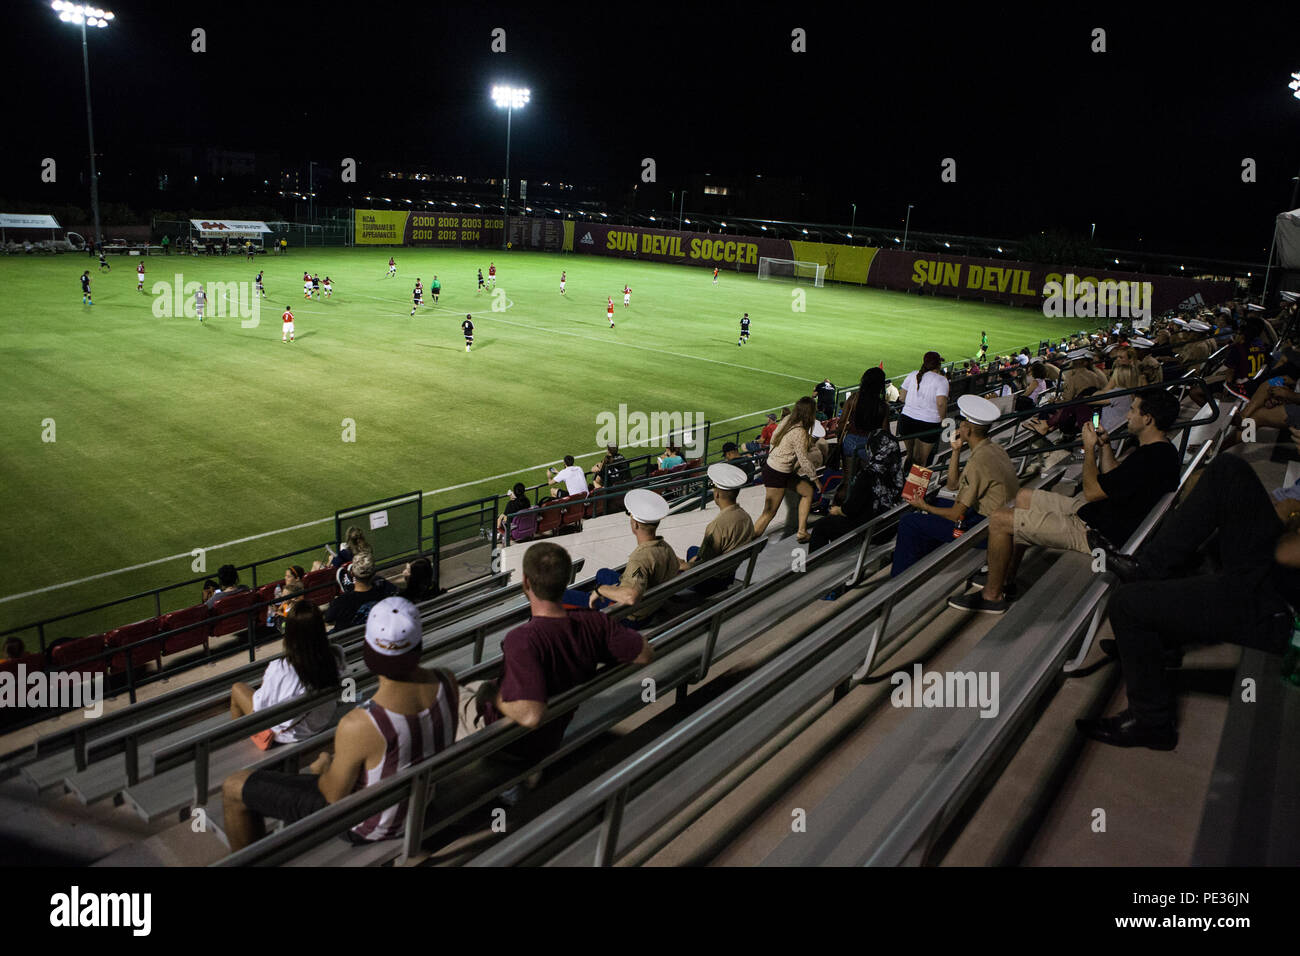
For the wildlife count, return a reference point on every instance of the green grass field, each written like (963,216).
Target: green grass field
(171,435)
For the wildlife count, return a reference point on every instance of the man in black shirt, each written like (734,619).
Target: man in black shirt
(85,289)
(1116,497)
(468,328)
(826,398)
(367,589)
(744,330)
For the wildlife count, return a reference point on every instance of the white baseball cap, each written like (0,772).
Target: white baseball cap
(393,627)
(645,506)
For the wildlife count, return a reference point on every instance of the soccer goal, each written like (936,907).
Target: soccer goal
(792,269)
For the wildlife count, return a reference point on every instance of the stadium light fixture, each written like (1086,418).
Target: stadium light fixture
(1295,85)
(83,16)
(907,223)
(999,248)
(509,98)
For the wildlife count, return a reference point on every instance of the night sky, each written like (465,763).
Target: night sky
(1146,140)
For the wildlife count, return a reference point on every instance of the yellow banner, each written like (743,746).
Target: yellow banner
(380,227)
(843,263)
(567,245)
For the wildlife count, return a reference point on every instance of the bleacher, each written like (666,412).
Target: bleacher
(740,678)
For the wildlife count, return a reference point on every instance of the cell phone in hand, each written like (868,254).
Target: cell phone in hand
(1096,421)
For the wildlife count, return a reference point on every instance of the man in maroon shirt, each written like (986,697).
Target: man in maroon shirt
(554,652)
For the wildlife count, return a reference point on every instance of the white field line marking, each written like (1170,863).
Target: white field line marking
(320,521)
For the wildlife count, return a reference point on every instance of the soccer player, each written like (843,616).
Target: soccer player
(468,328)
(715,275)
(329,288)
(436,288)
(609,311)
(248,247)
(85,289)
(562,276)
(258,284)
(744,329)
(627,295)
(139,278)
(103,261)
(392,268)
(200,302)
(417,295)
(287,319)
(492,274)
(481,284)
(315,285)
(306,286)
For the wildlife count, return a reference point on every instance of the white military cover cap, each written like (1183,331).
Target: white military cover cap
(727,477)
(978,411)
(818,430)
(645,506)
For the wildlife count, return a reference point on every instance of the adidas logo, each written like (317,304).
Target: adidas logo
(587,240)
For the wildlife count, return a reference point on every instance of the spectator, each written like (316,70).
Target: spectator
(518,502)
(1247,355)
(731,454)
(1035,387)
(862,415)
(729,530)
(351,607)
(310,664)
(925,401)
(986,484)
(291,590)
(417,581)
(14,649)
(651,563)
(228,584)
(765,436)
(789,460)
(1116,497)
(353,543)
(411,717)
(209,589)
(572,476)
(1023,358)
(876,482)
(612,470)
(825,392)
(555,651)
(1164,603)
(671,458)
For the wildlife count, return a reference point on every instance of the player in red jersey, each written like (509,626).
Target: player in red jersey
(563,276)
(392,268)
(715,275)
(627,295)
(139,278)
(492,275)
(287,319)
(610,312)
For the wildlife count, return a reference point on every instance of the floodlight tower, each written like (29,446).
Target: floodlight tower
(510,98)
(84,16)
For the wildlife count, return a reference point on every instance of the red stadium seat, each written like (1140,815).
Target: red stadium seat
(320,586)
(549,519)
(267,592)
(573,511)
(130,634)
(33,662)
(239,601)
(192,623)
(78,655)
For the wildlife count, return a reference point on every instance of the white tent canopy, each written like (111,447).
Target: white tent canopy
(9,220)
(1287,238)
(241,228)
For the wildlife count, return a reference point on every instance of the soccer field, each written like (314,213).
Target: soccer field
(171,435)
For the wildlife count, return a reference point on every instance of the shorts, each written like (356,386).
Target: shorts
(627,299)
(908,426)
(288,327)
(1052,521)
(776,479)
(283,796)
(417,300)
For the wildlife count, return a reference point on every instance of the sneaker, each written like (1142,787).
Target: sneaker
(976,602)
(1010,589)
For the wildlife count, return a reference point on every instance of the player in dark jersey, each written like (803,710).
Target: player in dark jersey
(103,262)
(744,329)
(481,284)
(435,288)
(315,285)
(258,284)
(85,289)
(417,295)
(468,328)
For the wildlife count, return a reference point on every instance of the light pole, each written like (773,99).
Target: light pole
(853,224)
(906,225)
(84,16)
(511,98)
(681,210)
(311,190)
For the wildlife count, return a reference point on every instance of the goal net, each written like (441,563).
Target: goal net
(792,269)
